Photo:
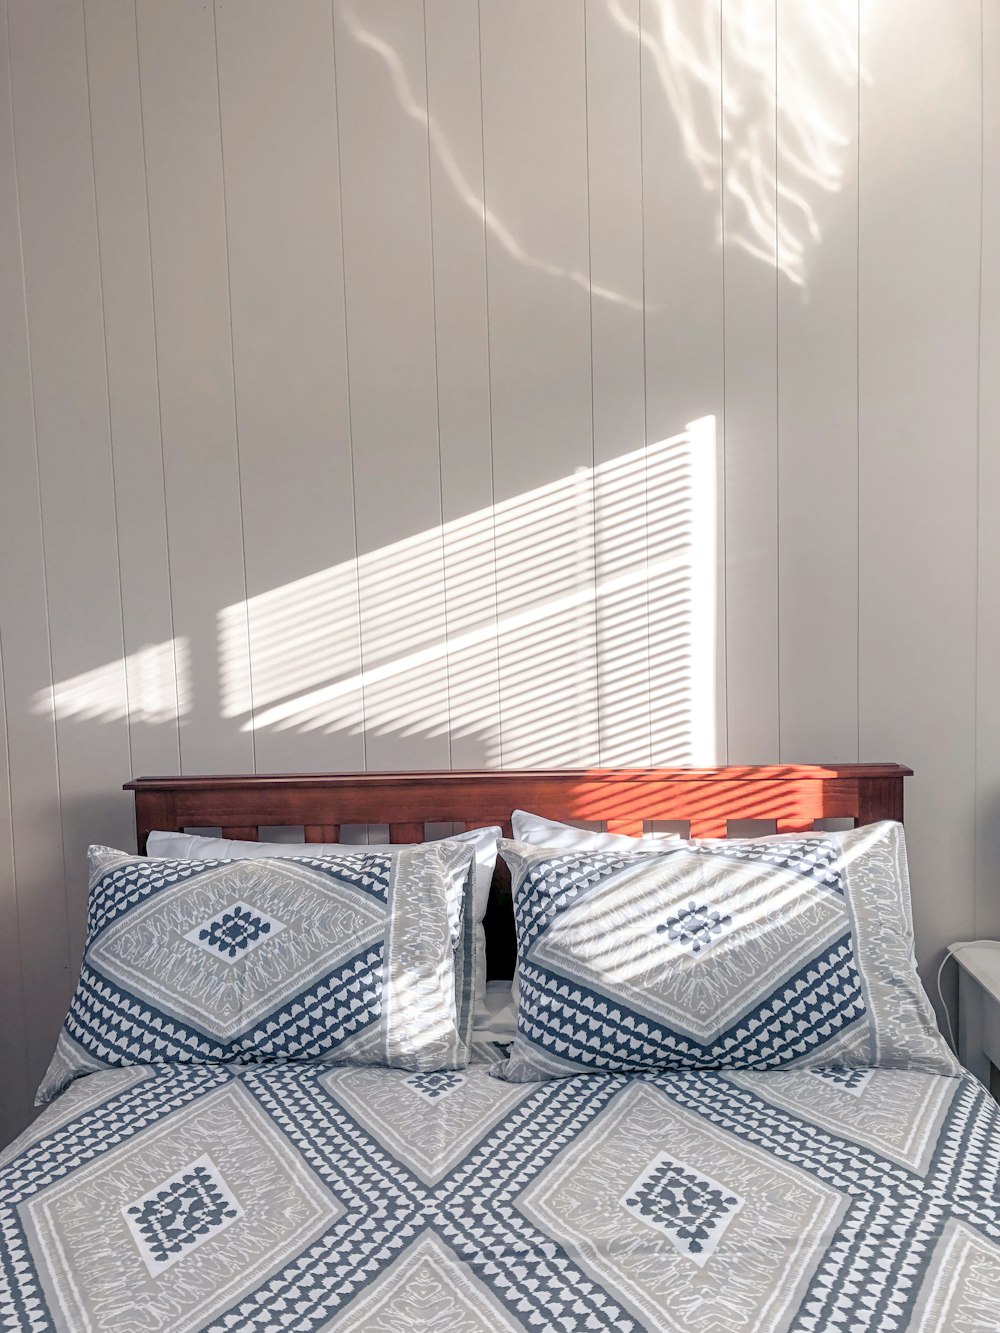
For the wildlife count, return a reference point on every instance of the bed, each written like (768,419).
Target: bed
(311,1194)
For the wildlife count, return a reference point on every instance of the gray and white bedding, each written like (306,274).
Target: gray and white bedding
(322,1196)
(723,1105)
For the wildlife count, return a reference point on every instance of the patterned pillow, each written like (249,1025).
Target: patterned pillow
(290,958)
(754,954)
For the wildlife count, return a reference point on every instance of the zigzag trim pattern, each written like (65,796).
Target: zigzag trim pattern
(118,1029)
(370,873)
(583,1026)
(812,858)
(549,888)
(121,889)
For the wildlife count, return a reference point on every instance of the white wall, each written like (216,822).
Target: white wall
(337,350)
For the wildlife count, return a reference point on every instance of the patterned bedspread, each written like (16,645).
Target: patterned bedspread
(317,1196)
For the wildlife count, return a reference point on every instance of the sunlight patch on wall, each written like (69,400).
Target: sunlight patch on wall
(470,192)
(773,191)
(151,685)
(581,624)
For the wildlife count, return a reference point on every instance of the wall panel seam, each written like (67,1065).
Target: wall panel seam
(645,372)
(721,427)
(857,391)
(777,402)
(347,363)
(593,428)
(159,400)
(489,373)
(38,482)
(107,389)
(236,409)
(437,391)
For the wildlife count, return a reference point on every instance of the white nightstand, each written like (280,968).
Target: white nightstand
(979,1009)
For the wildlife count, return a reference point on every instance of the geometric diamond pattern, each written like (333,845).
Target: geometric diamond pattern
(436,1084)
(578,1026)
(690,1208)
(369,871)
(618,968)
(118,888)
(259,1198)
(234,932)
(181,1214)
(560,880)
(695,926)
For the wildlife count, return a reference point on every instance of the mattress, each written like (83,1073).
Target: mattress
(320,1196)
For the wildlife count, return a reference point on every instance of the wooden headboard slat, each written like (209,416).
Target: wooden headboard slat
(630,828)
(241,832)
(322,832)
(406,832)
(707,826)
(622,800)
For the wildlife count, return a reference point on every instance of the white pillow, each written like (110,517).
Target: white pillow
(540,832)
(192,847)
(496,1018)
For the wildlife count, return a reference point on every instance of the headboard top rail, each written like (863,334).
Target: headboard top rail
(515,777)
(794,796)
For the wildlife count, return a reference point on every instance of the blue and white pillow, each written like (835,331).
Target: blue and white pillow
(753,954)
(351,955)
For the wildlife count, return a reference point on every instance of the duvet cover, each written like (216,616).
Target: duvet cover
(321,1196)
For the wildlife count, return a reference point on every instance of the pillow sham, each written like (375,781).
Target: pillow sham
(752,953)
(538,831)
(279,958)
(485,841)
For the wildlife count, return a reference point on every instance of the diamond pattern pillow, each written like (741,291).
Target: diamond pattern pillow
(754,954)
(351,955)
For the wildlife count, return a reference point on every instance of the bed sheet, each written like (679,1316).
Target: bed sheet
(320,1197)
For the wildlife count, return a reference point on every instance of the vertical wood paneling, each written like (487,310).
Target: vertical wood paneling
(681,78)
(382,118)
(535,152)
(66,330)
(919,300)
(29,737)
(682,197)
(180,120)
(750,235)
(614,156)
(283,217)
(155,694)
(461,321)
(987,915)
(817,164)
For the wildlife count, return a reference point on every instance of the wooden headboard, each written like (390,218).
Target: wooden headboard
(622,800)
